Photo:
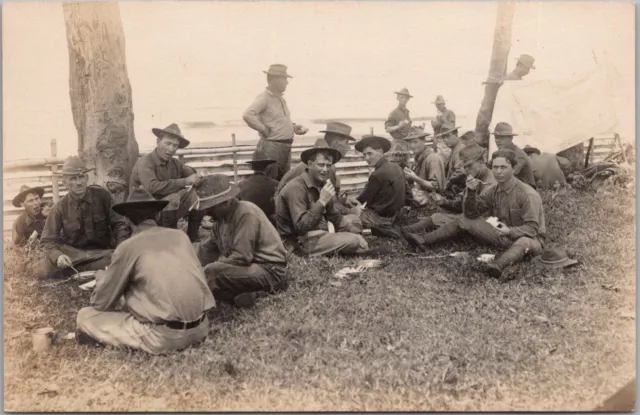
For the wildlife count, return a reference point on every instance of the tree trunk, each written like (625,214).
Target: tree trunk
(101,94)
(497,69)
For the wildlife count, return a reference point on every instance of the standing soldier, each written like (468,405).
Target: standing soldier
(445,116)
(270,116)
(399,122)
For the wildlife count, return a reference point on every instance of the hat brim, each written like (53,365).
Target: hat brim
(159,132)
(448,131)
(403,93)
(504,135)
(567,262)
(416,137)
(126,208)
(531,150)
(206,204)
(532,66)
(306,154)
(73,172)
(338,133)
(20,197)
(367,141)
(260,162)
(277,74)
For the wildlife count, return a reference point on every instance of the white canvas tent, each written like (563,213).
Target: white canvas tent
(555,114)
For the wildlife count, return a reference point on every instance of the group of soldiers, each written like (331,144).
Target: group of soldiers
(154,282)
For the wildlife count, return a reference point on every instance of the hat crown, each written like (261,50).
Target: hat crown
(416,132)
(259,155)
(554,254)
(403,91)
(74,163)
(503,128)
(471,153)
(24,188)
(526,59)
(173,128)
(215,184)
(439,99)
(277,69)
(321,143)
(140,194)
(338,127)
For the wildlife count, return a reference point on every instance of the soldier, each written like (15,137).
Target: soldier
(30,220)
(260,189)
(503,133)
(545,167)
(523,67)
(81,230)
(445,116)
(399,122)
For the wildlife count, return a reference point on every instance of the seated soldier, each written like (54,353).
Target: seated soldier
(260,189)
(453,168)
(518,207)
(30,220)
(167,178)
(476,169)
(306,205)
(469,140)
(385,193)
(428,170)
(244,255)
(545,167)
(81,230)
(337,135)
(157,274)
(503,133)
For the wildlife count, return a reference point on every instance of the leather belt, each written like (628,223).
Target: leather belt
(184,325)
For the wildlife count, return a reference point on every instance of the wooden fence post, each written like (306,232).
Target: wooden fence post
(54,170)
(371,129)
(235,159)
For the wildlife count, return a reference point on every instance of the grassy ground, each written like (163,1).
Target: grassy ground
(415,335)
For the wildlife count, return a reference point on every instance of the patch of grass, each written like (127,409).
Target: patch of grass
(414,335)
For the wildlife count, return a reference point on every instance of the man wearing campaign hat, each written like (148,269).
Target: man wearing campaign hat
(444,117)
(30,220)
(428,169)
(81,230)
(398,123)
(159,277)
(523,67)
(545,167)
(269,115)
(385,193)
(244,255)
(260,189)
(167,178)
(503,133)
(306,205)
(454,168)
(476,170)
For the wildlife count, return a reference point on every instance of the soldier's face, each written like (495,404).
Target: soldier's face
(372,156)
(417,145)
(402,100)
(31,204)
(319,168)
(77,184)
(167,147)
(451,139)
(440,106)
(502,170)
(502,142)
(521,69)
(280,83)
(338,142)
(472,167)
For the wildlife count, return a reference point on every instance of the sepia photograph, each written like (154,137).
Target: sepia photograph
(319,206)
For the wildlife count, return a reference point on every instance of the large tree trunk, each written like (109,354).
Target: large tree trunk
(497,69)
(101,93)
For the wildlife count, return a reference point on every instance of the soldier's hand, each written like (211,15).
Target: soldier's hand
(63,261)
(194,179)
(327,193)
(409,174)
(502,228)
(300,130)
(472,183)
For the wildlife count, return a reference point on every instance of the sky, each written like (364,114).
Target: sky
(203,61)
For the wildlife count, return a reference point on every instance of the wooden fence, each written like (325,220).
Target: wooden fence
(229,160)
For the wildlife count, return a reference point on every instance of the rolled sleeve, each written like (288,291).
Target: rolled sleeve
(252,114)
(158,188)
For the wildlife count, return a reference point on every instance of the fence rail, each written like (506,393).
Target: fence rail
(227,160)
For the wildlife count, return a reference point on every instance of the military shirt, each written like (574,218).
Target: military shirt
(259,190)
(386,189)
(395,117)
(24,226)
(159,177)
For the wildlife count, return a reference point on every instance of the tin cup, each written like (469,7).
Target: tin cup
(42,339)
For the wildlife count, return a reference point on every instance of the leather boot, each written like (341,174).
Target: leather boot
(424,224)
(193,225)
(170,219)
(510,256)
(442,234)
(386,231)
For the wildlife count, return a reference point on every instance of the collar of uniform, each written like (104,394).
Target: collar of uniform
(424,153)
(28,219)
(273,94)
(86,198)
(508,186)
(381,163)
(405,109)
(156,158)
(309,181)
(144,225)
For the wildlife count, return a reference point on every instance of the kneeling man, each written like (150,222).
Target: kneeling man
(163,285)
(244,255)
(518,207)
(81,229)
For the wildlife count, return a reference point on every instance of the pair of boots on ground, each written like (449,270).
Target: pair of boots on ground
(169,219)
(424,233)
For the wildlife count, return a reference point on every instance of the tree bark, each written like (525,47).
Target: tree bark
(101,93)
(497,69)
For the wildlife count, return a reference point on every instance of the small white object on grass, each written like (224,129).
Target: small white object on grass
(486,258)
(88,286)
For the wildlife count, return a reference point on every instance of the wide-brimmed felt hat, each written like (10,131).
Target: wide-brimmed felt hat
(214,189)
(139,199)
(472,152)
(503,129)
(530,150)
(403,91)
(340,128)
(439,100)
(554,257)
(278,69)
(24,191)
(174,131)
(73,166)
(448,128)
(320,145)
(260,158)
(527,60)
(368,140)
